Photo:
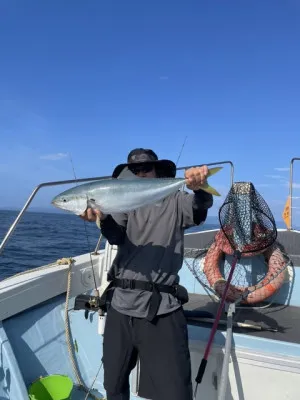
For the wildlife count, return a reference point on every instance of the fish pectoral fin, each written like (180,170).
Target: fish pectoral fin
(79,212)
(81,208)
(98,221)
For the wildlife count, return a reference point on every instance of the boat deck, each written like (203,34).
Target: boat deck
(283,317)
(79,394)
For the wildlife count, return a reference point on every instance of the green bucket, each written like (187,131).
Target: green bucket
(52,387)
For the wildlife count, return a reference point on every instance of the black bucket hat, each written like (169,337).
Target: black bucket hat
(163,168)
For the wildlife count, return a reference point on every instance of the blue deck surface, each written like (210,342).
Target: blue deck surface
(78,394)
(33,344)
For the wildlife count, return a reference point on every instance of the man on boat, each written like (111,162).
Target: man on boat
(145,318)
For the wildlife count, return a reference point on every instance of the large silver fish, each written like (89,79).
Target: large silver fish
(123,194)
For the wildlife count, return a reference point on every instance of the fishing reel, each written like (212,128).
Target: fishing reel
(94,304)
(89,303)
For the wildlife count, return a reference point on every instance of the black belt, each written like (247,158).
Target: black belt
(94,303)
(144,285)
(155,288)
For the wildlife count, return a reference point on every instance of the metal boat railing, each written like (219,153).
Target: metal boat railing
(184,168)
(56,183)
(31,197)
(210,164)
(291,189)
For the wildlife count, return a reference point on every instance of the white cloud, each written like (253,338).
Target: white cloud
(54,157)
(287,184)
(282,169)
(262,185)
(274,176)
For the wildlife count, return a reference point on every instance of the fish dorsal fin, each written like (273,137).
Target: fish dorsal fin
(127,174)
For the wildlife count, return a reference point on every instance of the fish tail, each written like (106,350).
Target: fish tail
(213,171)
(206,187)
(209,189)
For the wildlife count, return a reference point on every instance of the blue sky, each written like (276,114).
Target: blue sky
(96,79)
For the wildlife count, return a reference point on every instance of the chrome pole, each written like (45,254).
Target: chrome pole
(291,188)
(56,183)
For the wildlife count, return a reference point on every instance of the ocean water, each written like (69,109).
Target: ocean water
(42,238)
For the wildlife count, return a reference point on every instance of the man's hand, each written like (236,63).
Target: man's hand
(91,215)
(196,177)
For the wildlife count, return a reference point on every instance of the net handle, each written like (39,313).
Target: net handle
(202,367)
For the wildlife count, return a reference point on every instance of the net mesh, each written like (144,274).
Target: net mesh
(246,221)
(247,225)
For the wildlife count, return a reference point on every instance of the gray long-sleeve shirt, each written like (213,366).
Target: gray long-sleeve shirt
(150,247)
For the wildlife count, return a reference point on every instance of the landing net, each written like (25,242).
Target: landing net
(247,225)
(247,228)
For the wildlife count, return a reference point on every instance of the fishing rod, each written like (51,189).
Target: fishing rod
(236,324)
(87,237)
(182,147)
(92,301)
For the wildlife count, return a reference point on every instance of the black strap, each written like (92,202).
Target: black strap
(154,303)
(155,288)
(144,285)
(104,296)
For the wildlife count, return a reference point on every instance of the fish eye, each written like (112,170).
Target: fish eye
(64,200)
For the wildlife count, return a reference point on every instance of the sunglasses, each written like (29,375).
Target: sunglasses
(144,168)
